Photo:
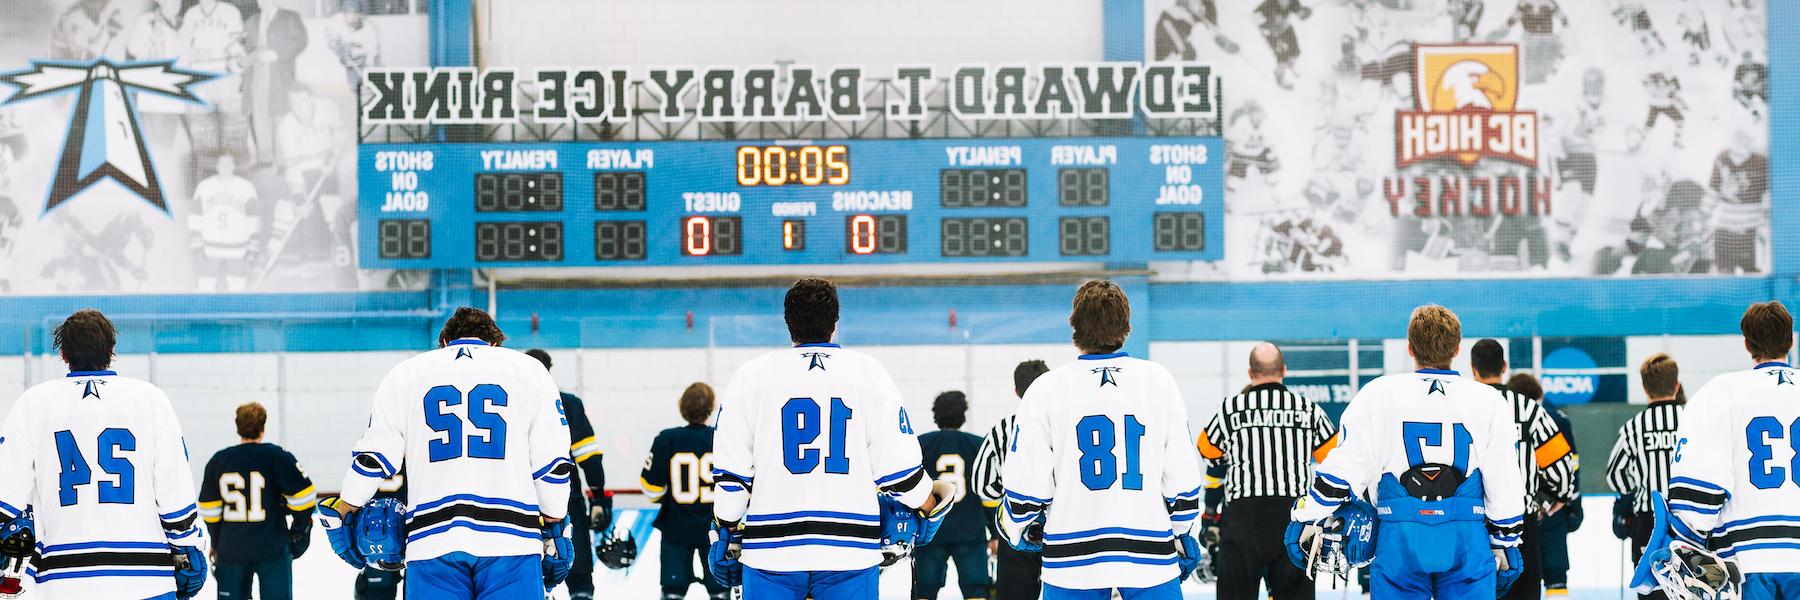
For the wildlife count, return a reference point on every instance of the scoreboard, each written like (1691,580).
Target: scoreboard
(674,203)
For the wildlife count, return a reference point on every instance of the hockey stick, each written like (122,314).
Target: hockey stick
(1624,578)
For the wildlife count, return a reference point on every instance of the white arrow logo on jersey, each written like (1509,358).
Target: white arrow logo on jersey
(104,140)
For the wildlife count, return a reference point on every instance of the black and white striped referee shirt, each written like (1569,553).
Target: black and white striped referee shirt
(986,476)
(1268,437)
(1640,460)
(1545,456)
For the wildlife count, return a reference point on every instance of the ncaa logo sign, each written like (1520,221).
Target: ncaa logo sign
(1569,376)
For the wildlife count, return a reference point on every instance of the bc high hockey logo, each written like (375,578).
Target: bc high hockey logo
(1466,95)
(104,140)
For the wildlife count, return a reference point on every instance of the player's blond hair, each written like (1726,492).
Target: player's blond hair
(1434,334)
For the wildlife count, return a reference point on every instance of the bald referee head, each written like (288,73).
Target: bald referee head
(1266,364)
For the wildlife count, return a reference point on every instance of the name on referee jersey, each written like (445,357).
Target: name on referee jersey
(1270,418)
(1659,440)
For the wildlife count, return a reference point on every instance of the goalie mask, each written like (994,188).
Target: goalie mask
(1688,572)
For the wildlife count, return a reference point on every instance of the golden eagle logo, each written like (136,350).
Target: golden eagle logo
(1466,96)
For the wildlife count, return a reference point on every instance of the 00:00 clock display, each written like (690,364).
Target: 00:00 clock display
(800,165)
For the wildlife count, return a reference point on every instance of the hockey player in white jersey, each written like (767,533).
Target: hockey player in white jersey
(1101,475)
(223,229)
(102,462)
(1735,485)
(1436,451)
(809,439)
(481,433)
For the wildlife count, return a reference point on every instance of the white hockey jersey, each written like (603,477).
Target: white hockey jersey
(223,227)
(1102,454)
(1400,421)
(1734,475)
(481,433)
(101,461)
(213,36)
(806,437)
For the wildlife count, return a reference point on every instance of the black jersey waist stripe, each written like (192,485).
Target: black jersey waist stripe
(480,513)
(1185,504)
(105,559)
(1750,534)
(1110,544)
(780,530)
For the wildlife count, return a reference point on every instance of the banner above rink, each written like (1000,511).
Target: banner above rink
(791,93)
(1485,138)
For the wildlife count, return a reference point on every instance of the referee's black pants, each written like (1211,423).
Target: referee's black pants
(1643,525)
(1251,551)
(1016,574)
(1530,585)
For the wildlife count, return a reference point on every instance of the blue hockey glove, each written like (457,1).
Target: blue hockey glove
(727,546)
(559,553)
(190,571)
(1295,538)
(900,527)
(948,491)
(1622,514)
(1191,556)
(338,519)
(1511,565)
(381,534)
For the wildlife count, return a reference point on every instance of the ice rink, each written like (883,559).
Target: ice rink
(1599,564)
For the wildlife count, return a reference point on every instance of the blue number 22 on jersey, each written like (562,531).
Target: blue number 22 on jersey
(492,442)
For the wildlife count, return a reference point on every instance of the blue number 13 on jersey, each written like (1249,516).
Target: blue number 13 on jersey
(1418,435)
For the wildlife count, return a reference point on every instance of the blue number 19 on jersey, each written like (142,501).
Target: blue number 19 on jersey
(800,426)
(1094,436)
(492,442)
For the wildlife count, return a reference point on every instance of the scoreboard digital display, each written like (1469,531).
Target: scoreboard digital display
(522,204)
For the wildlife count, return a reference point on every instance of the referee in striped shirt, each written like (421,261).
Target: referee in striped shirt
(1640,460)
(1268,438)
(1545,457)
(1015,573)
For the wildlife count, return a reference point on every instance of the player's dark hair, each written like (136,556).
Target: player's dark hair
(950,410)
(811,309)
(1661,376)
(1487,358)
(1768,330)
(86,339)
(1525,385)
(1026,373)
(696,403)
(251,418)
(1101,317)
(1434,335)
(469,322)
(540,355)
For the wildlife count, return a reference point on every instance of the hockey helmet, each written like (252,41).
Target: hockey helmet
(1345,542)
(381,533)
(616,553)
(1689,572)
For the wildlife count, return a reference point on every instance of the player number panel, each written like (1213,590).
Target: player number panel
(619,240)
(984,236)
(529,241)
(1084,236)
